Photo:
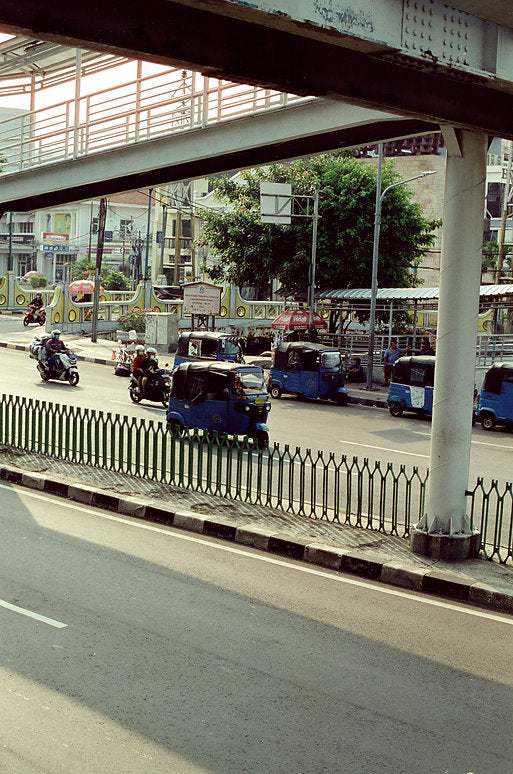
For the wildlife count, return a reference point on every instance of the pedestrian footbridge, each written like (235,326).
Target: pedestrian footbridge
(169,127)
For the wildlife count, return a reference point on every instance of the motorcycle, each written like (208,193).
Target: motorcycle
(157,388)
(123,361)
(64,368)
(33,315)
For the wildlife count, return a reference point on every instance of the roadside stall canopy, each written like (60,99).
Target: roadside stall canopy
(417,296)
(297,320)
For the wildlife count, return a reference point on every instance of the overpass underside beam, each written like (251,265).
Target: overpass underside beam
(376,56)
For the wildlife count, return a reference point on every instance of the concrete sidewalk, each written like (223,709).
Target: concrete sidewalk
(370,554)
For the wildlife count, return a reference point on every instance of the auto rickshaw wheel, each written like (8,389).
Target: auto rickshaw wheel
(276,391)
(487,421)
(175,426)
(395,409)
(341,398)
(261,439)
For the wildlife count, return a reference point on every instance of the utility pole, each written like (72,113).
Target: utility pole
(311,287)
(380,195)
(99,255)
(178,244)
(10,259)
(163,237)
(90,232)
(148,235)
(193,249)
(504,217)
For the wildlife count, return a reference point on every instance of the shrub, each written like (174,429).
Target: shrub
(134,319)
(38,282)
(114,280)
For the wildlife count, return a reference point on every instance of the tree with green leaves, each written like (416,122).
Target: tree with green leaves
(85,268)
(247,252)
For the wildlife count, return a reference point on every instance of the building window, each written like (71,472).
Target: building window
(186,228)
(25,227)
(494,199)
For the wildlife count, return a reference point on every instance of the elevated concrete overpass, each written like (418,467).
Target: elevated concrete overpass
(449,64)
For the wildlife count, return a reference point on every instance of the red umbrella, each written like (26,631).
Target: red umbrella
(83,286)
(296,320)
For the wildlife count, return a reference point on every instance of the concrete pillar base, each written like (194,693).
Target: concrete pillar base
(449,547)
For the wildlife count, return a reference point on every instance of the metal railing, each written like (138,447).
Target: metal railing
(142,109)
(318,485)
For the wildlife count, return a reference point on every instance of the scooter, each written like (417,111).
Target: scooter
(64,368)
(157,388)
(33,315)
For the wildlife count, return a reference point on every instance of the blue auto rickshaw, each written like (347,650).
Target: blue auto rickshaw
(495,404)
(411,385)
(226,397)
(308,369)
(207,346)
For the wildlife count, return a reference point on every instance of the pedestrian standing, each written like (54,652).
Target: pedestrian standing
(392,354)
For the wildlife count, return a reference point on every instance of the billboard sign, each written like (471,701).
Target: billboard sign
(275,203)
(202,298)
(55,243)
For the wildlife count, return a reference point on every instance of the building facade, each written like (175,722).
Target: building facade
(49,241)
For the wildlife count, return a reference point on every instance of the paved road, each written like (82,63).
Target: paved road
(160,651)
(360,431)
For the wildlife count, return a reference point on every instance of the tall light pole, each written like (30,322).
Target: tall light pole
(148,236)
(311,289)
(375,251)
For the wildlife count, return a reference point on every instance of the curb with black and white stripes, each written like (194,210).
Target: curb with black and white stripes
(373,566)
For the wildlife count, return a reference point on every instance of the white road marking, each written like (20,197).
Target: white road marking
(476,443)
(384,448)
(91,511)
(123,402)
(31,614)
(493,445)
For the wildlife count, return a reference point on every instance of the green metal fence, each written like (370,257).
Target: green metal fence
(345,490)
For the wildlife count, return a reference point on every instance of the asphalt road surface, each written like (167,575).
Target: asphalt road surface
(360,431)
(127,647)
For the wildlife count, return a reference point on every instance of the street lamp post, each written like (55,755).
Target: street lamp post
(375,251)
(311,289)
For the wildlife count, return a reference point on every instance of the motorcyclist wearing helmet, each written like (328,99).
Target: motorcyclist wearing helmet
(149,365)
(36,305)
(37,301)
(137,362)
(53,346)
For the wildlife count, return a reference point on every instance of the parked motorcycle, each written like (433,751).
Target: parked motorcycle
(33,315)
(123,361)
(157,388)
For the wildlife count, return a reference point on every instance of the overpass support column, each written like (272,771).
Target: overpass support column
(445,530)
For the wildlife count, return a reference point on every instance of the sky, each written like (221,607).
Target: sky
(98,82)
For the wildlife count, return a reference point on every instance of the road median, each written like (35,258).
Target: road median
(369,564)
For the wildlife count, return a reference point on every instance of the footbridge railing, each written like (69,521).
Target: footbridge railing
(142,109)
